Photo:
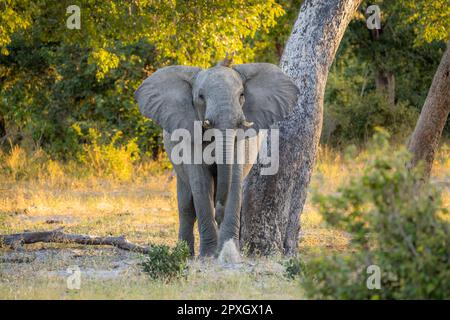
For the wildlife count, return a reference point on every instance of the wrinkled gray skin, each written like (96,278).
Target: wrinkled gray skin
(229,98)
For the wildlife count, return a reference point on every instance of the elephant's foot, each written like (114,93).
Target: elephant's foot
(229,252)
(208,248)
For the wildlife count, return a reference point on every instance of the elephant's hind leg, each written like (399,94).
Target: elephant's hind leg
(186,214)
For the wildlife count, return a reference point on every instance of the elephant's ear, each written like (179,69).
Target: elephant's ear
(270,95)
(166,97)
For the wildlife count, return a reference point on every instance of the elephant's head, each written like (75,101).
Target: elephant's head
(222,97)
(253,94)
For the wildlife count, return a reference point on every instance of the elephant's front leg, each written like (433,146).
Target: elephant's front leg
(186,213)
(202,187)
(229,228)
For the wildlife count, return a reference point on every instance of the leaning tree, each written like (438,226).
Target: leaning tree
(425,138)
(272,203)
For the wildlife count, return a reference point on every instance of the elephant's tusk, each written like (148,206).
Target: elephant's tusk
(206,124)
(247,124)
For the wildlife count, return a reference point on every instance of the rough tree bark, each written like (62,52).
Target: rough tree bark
(273,203)
(425,138)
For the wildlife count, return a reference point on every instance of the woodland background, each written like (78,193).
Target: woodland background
(63,88)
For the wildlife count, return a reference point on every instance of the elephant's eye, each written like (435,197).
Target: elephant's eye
(201,97)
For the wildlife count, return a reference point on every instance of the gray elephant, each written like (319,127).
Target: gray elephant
(221,97)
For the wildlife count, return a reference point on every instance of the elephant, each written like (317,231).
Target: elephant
(224,97)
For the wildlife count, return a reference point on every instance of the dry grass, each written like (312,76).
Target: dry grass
(144,209)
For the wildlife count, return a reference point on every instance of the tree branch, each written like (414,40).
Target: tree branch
(58,236)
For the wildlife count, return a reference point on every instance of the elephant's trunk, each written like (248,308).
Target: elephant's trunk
(224,171)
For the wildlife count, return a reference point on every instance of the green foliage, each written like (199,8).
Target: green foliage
(16,164)
(293,268)
(165,263)
(12,19)
(189,32)
(430,18)
(269,46)
(202,32)
(354,103)
(53,78)
(47,89)
(395,223)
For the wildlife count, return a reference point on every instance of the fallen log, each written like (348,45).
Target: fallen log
(16,259)
(58,236)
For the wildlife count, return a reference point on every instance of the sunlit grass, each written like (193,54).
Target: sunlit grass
(41,194)
(205,281)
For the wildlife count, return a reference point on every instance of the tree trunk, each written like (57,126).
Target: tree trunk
(425,138)
(273,203)
(385,83)
(384,79)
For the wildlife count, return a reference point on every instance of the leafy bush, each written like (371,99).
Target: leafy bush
(396,224)
(165,263)
(350,117)
(293,268)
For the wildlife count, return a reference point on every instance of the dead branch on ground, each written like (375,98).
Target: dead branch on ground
(58,236)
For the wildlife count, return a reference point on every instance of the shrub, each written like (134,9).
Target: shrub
(54,172)
(395,225)
(352,118)
(165,263)
(293,267)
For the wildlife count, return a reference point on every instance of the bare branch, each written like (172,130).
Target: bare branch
(58,236)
